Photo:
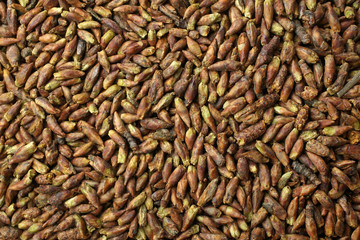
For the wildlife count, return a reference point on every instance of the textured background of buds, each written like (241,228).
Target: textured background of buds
(179,119)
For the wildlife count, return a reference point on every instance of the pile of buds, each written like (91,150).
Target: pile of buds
(180,119)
